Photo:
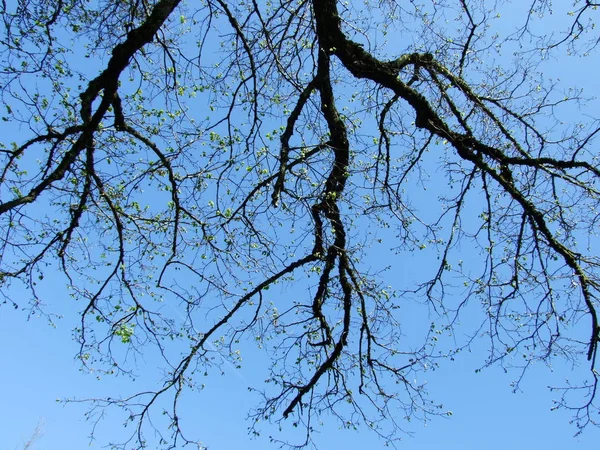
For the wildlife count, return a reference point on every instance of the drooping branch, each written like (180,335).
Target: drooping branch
(106,82)
(363,65)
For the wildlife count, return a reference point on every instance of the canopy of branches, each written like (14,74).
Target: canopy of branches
(203,174)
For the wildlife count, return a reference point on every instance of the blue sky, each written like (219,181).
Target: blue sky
(39,368)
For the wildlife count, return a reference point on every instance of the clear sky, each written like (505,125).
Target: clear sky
(38,367)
